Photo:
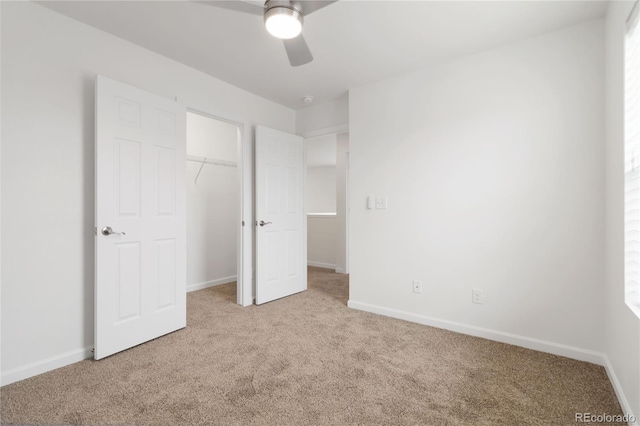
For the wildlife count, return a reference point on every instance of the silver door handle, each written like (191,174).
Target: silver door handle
(108,231)
(263,223)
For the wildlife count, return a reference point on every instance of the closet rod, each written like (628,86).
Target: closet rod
(213,161)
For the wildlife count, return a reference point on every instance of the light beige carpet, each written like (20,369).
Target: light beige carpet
(309,360)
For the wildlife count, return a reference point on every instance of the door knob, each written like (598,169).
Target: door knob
(263,223)
(108,231)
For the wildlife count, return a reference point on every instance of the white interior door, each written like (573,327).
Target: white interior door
(281,249)
(140,217)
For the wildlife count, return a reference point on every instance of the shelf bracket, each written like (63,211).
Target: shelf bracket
(201,166)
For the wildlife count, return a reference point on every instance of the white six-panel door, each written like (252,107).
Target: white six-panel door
(281,252)
(140,194)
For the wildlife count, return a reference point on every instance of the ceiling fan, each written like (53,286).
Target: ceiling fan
(283,19)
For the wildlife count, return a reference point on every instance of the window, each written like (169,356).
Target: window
(632,163)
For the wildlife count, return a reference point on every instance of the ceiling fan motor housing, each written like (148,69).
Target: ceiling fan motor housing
(283,18)
(270,4)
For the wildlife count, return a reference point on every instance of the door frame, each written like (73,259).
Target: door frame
(244,292)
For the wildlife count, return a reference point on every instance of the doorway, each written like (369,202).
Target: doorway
(326,200)
(213,188)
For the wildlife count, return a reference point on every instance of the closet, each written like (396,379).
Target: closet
(213,200)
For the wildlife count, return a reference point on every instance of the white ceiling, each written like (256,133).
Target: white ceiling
(354,42)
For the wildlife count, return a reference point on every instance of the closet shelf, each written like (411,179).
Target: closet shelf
(214,161)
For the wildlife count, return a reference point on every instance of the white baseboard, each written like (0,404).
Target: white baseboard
(212,283)
(321,265)
(622,398)
(340,271)
(45,365)
(498,336)
(72,357)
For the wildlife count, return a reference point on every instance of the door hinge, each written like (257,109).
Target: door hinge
(243,223)
(95,231)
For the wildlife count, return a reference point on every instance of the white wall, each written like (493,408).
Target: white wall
(211,138)
(49,64)
(212,203)
(320,151)
(492,165)
(320,194)
(622,327)
(320,160)
(320,197)
(321,189)
(212,224)
(332,115)
(321,240)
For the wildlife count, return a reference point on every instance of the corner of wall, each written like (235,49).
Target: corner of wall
(45,365)
(619,391)
(328,117)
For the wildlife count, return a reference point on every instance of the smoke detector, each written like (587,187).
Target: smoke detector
(308,99)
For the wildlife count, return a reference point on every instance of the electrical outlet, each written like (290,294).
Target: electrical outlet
(477,295)
(417,286)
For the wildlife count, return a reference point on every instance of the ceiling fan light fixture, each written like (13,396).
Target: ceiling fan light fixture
(283,22)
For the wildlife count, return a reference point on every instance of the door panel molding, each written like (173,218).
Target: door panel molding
(140,272)
(281,249)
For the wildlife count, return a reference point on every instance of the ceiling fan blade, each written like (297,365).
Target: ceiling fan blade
(237,5)
(297,51)
(310,6)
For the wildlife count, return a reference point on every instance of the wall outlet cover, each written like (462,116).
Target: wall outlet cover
(381,202)
(477,296)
